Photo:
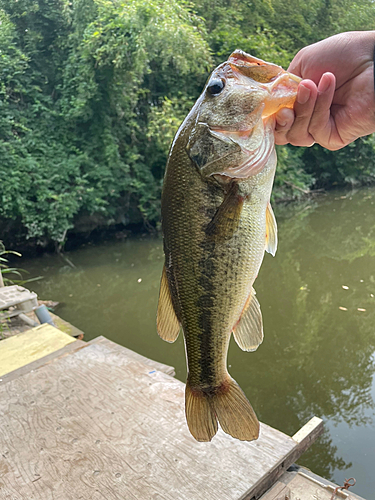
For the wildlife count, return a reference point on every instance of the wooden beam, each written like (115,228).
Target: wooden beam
(279,491)
(304,438)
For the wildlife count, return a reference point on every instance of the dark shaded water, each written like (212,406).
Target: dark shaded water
(317,298)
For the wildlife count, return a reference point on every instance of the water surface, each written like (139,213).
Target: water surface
(317,299)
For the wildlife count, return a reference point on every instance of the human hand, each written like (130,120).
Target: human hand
(335,101)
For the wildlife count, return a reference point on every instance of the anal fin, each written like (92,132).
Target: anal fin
(167,323)
(248,333)
(271,231)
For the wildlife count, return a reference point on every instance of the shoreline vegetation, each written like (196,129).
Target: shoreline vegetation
(92,92)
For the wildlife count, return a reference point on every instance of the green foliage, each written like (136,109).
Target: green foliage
(353,165)
(78,83)
(292,181)
(93,91)
(8,273)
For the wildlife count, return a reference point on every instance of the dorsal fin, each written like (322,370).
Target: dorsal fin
(167,323)
(271,231)
(248,333)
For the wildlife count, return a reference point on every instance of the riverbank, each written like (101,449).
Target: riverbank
(92,230)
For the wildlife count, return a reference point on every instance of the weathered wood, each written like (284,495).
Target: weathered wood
(169,370)
(27,347)
(67,327)
(34,365)
(318,479)
(96,424)
(279,491)
(303,439)
(304,487)
(309,431)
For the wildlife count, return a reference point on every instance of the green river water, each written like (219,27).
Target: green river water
(318,304)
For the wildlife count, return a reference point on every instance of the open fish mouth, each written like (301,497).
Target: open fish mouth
(281,86)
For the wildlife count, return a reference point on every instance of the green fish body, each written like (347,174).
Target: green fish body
(217,222)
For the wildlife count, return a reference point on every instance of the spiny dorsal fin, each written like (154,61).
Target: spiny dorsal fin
(271,231)
(248,333)
(167,323)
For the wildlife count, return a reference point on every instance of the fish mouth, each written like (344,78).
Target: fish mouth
(280,85)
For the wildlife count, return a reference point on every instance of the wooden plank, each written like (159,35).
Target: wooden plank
(27,347)
(325,482)
(96,424)
(34,365)
(303,486)
(66,327)
(279,491)
(309,432)
(169,370)
(303,439)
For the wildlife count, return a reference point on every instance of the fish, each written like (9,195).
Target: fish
(217,222)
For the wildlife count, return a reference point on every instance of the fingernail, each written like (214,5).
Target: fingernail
(303,94)
(324,83)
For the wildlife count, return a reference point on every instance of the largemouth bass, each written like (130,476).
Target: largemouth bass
(217,222)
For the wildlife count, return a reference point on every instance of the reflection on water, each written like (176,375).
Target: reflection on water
(317,298)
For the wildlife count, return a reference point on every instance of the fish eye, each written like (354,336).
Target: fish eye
(215,86)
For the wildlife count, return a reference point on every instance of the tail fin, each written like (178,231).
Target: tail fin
(228,405)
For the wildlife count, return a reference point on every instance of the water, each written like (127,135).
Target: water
(317,298)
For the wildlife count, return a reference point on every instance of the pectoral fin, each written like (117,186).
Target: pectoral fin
(248,333)
(167,323)
(271,231)
(226,219)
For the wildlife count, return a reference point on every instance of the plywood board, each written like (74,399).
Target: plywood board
(96,424)
(308,488)
(169,370)
(27,347)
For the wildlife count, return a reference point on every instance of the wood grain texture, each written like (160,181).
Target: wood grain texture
(96,425)
(161,367)
(279,491)
(27,347)
(304,438)
(73,346)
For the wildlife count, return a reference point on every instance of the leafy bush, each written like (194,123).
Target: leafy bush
(92,92)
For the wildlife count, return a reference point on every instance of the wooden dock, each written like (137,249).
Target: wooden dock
(97,421)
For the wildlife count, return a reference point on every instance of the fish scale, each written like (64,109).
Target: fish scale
(216,228)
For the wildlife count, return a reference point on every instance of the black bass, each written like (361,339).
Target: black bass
(217,222)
